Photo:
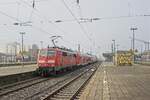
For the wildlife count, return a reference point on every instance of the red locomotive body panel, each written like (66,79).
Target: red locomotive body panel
(54,59)
(47,57)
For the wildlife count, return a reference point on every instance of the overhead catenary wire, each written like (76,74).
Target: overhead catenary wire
(15,2)
(82,28)
(120,17)
(80,13)
(45,18)
(79,22)
(35,27)
(76,19)
(87,29)
(104,18)
(16,19)
(101,18)
(11,17)
(8,3)
(18,10)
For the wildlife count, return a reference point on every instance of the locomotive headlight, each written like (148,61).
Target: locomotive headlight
(51,61)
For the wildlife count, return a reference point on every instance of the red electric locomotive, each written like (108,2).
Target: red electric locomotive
(54,59)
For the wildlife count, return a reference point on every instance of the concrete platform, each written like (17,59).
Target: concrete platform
(119,83)
(4,71)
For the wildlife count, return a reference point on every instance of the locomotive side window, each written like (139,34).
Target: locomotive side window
(51,53)
(74,55)
(64,53)
(69,54)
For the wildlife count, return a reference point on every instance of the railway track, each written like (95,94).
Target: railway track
(35,89)
(17,83)
(67,89)
(70,90)
(15,78)
(20,85)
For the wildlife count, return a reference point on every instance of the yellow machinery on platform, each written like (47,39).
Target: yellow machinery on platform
(123,58)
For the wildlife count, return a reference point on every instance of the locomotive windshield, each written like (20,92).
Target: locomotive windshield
(47,53)
(43,53)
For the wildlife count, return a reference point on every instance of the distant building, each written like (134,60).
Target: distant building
(33,52)
(30,55)
(145,56)
(6,58)
(108,56)
(35,47)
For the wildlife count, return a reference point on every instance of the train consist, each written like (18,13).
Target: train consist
(54,59)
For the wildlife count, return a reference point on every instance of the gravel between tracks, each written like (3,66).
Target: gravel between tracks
(70,89)
(29,91)
(20,85)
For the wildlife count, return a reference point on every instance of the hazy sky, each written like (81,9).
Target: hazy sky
(101,32)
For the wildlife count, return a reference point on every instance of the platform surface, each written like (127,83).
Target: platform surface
(4,71)
(119,83)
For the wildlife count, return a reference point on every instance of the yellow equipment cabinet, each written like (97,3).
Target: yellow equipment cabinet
(124,58)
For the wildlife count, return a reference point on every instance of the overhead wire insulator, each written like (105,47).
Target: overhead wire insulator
(58,21)
(33,4)
(77,1)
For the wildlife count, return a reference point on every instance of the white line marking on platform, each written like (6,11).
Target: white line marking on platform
(106,95)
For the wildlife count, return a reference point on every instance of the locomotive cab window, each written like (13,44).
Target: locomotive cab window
(47,53)
(64,53)
(43,53)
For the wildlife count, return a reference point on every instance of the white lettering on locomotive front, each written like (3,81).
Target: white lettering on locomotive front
(41,61)
(51,61)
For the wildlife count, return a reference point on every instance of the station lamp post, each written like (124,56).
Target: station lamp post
(114,51)
(22,47)
(117,47)
(41,44)
(28,23)
(133,41)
